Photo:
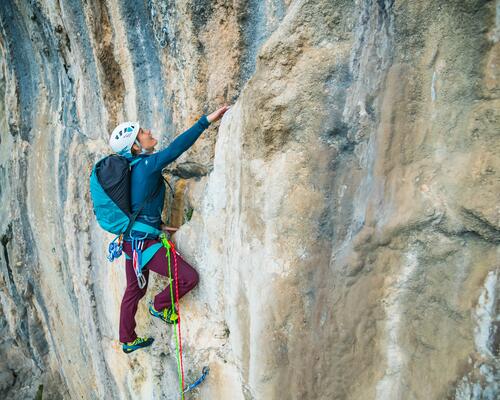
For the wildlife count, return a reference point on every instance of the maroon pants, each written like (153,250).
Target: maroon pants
(187,276)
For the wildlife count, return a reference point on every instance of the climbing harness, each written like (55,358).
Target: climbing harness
(170,248)
(140,256)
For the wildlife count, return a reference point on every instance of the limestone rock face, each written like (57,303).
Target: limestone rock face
(343,215)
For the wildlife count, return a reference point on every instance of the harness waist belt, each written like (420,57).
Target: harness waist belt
(145,228)
(148,254)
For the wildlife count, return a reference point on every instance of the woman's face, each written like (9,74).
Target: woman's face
(146,139)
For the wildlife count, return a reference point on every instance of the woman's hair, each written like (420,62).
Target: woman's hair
(134,151)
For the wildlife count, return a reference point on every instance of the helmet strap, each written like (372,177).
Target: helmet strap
(143,151)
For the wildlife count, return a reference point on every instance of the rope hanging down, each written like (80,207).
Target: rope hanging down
(178,338)
(169,246)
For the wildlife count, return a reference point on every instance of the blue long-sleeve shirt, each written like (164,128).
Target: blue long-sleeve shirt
(146,175)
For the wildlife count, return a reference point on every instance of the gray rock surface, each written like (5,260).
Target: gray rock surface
(343,216)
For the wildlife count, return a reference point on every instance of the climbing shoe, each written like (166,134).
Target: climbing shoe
(166,315)
(138,343)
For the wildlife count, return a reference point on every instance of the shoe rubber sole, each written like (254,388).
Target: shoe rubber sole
(130,349)
(157,316)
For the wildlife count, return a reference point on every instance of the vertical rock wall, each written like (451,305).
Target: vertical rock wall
(343,218)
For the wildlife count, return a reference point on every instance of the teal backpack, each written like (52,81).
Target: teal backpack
(110,193)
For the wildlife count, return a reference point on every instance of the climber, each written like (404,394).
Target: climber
(147,197)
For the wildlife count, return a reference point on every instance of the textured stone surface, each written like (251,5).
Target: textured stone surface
(343,217)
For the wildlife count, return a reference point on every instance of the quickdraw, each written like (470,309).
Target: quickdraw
(163,31)
(204,374)
(137,247)
(115,248)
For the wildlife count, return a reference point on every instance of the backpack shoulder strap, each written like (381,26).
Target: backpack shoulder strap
(135,161)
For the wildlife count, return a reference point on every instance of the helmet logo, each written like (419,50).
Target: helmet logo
(128,131)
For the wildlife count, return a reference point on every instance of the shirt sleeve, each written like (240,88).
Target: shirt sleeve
(184,141)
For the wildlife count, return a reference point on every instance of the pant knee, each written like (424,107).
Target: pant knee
(194,278)
(134,294)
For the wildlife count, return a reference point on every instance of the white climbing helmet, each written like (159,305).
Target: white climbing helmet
(123,137)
